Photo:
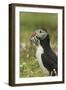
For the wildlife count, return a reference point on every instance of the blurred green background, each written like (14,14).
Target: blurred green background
(29,22)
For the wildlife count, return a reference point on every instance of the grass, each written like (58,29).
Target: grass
(29,66)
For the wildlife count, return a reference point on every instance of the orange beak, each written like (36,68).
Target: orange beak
(33,34)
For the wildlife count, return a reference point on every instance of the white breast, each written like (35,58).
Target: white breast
(39,51)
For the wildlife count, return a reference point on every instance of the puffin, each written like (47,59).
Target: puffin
(44,53)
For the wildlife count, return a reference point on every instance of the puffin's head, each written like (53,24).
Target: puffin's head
(39,34)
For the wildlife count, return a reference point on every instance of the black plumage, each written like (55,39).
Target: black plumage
(49,58)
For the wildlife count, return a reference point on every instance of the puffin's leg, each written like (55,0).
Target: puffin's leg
(53,72)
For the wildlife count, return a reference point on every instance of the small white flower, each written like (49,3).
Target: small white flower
(23,45)
(31,72)
(24,63)
(27,55)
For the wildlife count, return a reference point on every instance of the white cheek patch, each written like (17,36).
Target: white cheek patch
(42,35)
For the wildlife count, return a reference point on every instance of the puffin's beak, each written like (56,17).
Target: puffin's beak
(32,38)
(33,34)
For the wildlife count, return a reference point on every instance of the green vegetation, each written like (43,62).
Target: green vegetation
(29,22)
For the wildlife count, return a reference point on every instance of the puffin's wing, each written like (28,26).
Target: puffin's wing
(52,56)
(48,62)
